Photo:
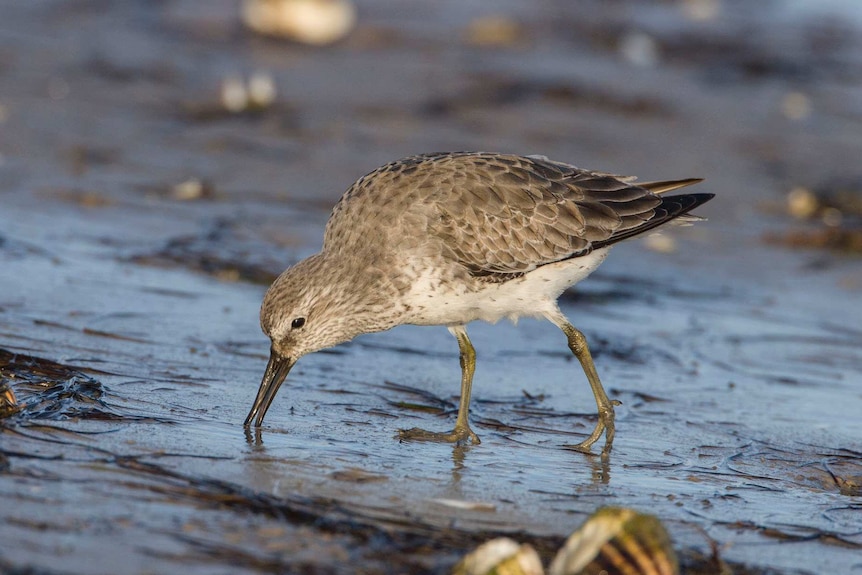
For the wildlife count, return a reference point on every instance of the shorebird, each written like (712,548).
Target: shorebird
(450,238)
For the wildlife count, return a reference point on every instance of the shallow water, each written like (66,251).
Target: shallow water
(128,318)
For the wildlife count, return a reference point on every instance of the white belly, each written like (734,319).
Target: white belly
(532,295)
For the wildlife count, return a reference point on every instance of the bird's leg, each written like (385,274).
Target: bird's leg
(462,431)
(578,345)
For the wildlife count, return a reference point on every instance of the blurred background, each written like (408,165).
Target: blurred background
(161,161)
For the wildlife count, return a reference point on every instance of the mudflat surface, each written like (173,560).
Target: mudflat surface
(128,317)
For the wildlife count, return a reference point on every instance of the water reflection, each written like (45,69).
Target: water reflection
(254,437)
(601,469)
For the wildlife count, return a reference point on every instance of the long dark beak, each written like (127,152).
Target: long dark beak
(276,371)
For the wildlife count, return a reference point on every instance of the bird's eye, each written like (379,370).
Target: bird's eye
(297,323)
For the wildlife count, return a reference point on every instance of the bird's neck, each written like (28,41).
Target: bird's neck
(365,292)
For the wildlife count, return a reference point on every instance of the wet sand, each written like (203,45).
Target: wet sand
(128,316)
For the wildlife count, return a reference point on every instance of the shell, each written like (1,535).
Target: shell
(314,22)
(617,541)
(500,557)
(8,402)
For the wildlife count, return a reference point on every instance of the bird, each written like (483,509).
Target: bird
(444,239)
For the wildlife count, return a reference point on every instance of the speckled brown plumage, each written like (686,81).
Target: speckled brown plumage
(500,215)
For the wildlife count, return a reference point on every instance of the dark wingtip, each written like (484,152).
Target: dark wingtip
(683,203)
(671,207)
(701,198)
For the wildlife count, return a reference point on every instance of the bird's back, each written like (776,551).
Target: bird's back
(498,215)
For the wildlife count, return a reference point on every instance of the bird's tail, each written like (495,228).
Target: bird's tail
(658,188)
(672,208)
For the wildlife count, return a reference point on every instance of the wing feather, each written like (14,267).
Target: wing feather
(501,216)
(528,212)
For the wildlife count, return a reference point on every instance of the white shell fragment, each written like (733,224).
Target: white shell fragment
(314,22)
(501,557)
(468,505)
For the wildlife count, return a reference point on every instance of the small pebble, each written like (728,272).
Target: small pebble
(640,49)
(494,32)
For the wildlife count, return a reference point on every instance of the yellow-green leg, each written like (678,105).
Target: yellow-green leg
(605,424)
(462,431)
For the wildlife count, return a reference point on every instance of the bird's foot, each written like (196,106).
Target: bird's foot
(605,425)
(460,435)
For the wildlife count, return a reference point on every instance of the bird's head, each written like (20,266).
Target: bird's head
(302,312)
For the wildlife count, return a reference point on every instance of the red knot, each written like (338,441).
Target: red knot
(450,238)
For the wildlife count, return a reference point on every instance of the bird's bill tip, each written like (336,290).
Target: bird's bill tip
(275,374)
